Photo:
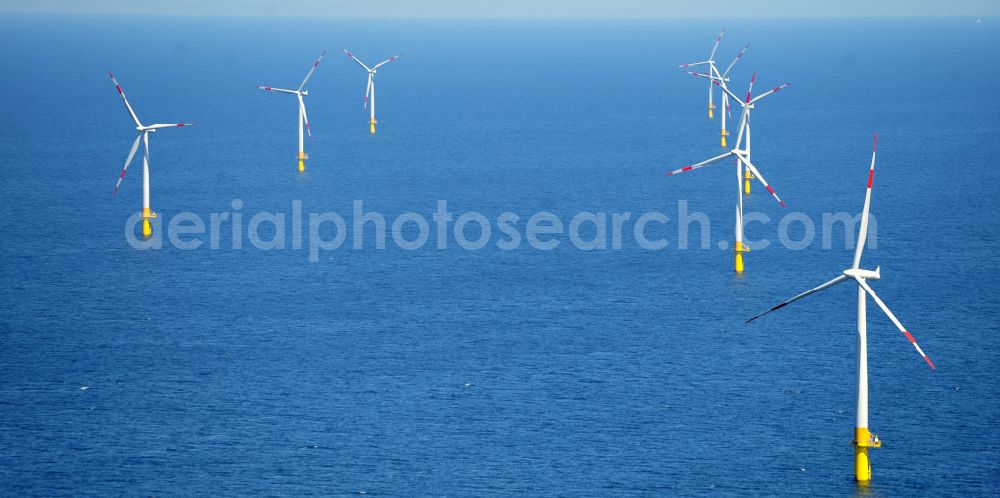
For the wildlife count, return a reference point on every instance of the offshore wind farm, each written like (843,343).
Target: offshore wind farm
(501,293)
(745,170)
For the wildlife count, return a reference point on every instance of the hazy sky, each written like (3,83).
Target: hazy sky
(519,8)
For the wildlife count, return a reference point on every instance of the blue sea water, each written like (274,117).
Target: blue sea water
(466,373)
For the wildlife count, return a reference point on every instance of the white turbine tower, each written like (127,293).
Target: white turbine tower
(143,134)
(723,82)
(303,118)
(742,154)
(370,89)
(863,438)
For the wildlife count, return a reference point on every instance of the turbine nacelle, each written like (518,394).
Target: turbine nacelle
(863,274)
(152,128)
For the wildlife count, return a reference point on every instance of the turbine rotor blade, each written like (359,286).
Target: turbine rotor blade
(390,59)
(701,75)
(769,92)
(349,54)
(167,125)
(746,162)
(894,320)
(728,91)
(128,161)
(305,118)
(699,165)
(368,91)
(717,41)
(279,90)
(311,71)
(731,64)
(744,124)
(714,79)
(831,283)
(122,93)
(863,231)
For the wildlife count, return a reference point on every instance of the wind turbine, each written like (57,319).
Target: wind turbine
(742,154)
(303,118)
(712,70)
(143,134)
(370,90)
(723,79)
(863,438)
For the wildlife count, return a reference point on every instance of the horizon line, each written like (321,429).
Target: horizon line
(485,18)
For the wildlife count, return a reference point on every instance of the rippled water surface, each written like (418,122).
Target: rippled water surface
(455,372)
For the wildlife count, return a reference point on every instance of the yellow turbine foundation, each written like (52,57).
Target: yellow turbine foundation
(372,126)
(302,158)
(147,228)
(710,108)
(723,139)
(746,181)
(862,465)
(739,250)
